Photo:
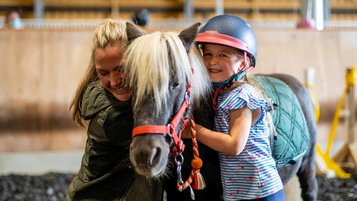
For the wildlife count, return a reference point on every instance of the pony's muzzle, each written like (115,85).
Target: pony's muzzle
(147,158)
(149,154)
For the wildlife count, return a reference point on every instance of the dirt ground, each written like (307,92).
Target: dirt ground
(53,187)
(335,189)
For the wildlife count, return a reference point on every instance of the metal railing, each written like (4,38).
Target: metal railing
(165,24)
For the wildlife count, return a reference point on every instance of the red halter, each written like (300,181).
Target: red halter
(195,180)
(170,128)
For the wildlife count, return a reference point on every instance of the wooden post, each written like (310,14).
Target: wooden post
(115,9)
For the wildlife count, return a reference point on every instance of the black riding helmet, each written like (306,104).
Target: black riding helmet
(230,31)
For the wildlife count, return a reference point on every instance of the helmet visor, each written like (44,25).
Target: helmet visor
(222,39)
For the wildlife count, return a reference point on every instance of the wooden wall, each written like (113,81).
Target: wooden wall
(39,73)
(40,70)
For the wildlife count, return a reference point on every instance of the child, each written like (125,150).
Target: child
(241,129)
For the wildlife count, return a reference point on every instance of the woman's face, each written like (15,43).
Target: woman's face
(221,61)
(108,65)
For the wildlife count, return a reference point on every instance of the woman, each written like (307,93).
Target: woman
(102,103)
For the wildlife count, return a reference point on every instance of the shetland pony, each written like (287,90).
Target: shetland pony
(169,82)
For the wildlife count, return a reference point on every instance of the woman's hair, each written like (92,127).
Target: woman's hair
(107,33)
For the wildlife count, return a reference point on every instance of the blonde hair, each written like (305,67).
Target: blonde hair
(148,58)
(107,33)
(200,73)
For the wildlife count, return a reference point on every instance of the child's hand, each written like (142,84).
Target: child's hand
(186,133)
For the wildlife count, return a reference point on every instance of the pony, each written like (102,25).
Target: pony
(170,86)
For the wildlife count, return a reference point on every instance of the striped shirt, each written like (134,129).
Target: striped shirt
(253,173)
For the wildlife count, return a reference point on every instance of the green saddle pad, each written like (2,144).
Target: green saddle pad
(292,139)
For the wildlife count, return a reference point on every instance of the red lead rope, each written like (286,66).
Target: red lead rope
(195,180)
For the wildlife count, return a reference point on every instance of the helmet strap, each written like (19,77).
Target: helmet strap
(246,68)
(245,62)
(220,86)
(226,82)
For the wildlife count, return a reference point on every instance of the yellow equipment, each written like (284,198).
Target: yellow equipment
(349,148)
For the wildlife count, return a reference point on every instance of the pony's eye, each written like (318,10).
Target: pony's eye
(174,85)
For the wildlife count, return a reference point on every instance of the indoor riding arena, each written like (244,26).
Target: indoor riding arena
(45,51)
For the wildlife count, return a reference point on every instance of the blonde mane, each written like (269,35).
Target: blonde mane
(149,59)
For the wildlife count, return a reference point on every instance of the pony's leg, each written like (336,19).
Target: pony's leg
(307,177)
(288,171)
(307,171)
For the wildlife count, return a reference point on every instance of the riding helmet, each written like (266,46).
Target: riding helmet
(231,31)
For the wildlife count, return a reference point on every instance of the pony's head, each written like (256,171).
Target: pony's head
(166,76)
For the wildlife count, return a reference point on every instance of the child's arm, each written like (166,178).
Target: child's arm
(234,143)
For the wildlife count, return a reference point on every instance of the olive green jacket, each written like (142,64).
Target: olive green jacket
(105,172)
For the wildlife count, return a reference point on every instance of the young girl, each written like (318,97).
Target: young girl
(241,129)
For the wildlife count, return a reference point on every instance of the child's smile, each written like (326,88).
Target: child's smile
(221,61)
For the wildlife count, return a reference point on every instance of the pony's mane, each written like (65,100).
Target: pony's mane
(152,59)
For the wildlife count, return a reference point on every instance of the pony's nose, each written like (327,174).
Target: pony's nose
(154,157)
(147,157)
(149,154)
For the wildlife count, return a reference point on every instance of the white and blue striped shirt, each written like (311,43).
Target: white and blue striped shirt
(253,173)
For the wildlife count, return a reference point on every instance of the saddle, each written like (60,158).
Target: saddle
(291,136)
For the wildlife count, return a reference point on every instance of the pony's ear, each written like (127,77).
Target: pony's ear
(188,35)
(133,31)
